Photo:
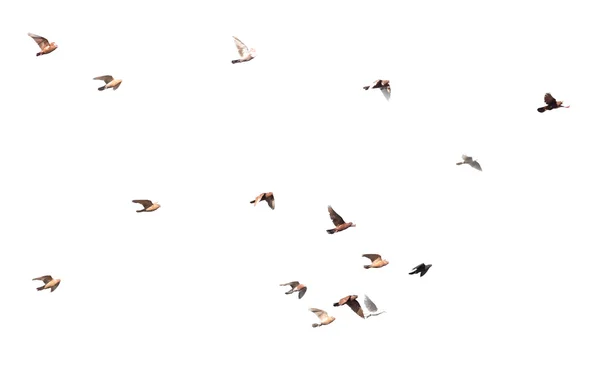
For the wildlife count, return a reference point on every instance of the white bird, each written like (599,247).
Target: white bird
(245,53)
(371,307)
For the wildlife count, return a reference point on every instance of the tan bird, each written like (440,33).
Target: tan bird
(48,283)
(376,261)
(296,287)
(266,196)
(109,81)
(351,302)
(323,317)
(338,221)
(45,46)
(245,53)
(148,205)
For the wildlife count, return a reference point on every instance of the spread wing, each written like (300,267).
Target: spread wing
(549,100)
(475,165)
(419,267)
(370,305)
(301,292)
(45,279)
(271,201)
(41,41)
(258,198)
(322,315)
(466,158)
(241,47)
(355,306)
(372,257)
(105,78)
(335,217)
(291,284)
(145,203)
(54,287)
(117,86)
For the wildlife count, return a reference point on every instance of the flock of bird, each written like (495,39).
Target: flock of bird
(247,54)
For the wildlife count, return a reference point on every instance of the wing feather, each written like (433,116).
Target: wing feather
(335,217)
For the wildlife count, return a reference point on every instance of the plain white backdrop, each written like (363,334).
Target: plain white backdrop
(196,283)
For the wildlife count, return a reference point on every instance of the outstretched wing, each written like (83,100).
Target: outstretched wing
(241,47)
(105,78)
(370,305)
(271,201)
(45,279)
(549,100)
(475,165)
(54,287)
(372,257)
(145,203)
(41,41)
(355,306)
(419,267)
(335,217)
(466,158)
(322,315)
(291,284)
(301,292)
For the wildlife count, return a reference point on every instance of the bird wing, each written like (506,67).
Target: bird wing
(466,158)
(54,287)
(41,41)
(301,292)
(291,284)
(322,315)
(475,165)
(145,203)
(258,198)
(372,257)
(549,100)
(105,78)
(271,201)
(370,305)
(335,217)
(117,86)
(45,279)
(419,267)
(241,47)
(355,306)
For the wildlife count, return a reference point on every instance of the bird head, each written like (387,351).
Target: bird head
(54,44)
(352,224)
(559,103)
(252,52)
(332,318)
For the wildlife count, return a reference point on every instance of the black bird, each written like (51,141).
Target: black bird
(420,269)
(551,103)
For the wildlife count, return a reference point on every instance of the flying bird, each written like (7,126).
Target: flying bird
(245,53)
(338,221)
(468,160)
(323,317)
(551,103)
(371,307)
(49,282)
(422,268)
(45,46)
(376,261)
(383,85)
(296,287)
(148,205)
(351,302)
(109,81)
(266,196)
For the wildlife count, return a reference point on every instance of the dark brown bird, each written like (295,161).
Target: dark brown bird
(338,221)
(380,84)
(551,103)
(148,205)
(351,302)
(266,196)
(422,268)
(296,287)
(48,283)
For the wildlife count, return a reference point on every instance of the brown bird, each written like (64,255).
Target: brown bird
(266,196)
(380,84)
(338,221)
(48,283)
(421,268)
(245,53)
(468,160)
(43,43)
(323,317)
(551,103)
(296,287)
(376,261)
(148,205)
(109,81)
(351,302)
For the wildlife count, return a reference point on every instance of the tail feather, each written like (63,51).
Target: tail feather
(102,87)
(40,288)
(541,109)
(414,272)
(235,61)
(331,231)
(336,304)
(459,163)
(316,325)
(38,54)
(367,266)
(290,291)
(252,202)
(366,88)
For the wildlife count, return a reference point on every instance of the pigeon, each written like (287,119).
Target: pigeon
(148,205)
(49,282)
(245,53)
(551,103)
(383,85)
(296,287)
(109,81)
(468,160)
(351,302)
(45,46)
(338,221)
(266,196)
(376,261)
(323,317)
(371,307)
(420,269)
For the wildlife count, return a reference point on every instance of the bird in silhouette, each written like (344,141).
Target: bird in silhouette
(49,282)
(422,268)
(148,205)
(468,160)
(376,261)
(245,53)
(351,302)
(45,46)
(338,221)
(296,287)
(551,103)
(323,317)
(371,307)
(109,81)
(266,196)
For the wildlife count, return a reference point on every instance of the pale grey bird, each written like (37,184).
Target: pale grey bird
(468,160)
(371,307)
(49,282)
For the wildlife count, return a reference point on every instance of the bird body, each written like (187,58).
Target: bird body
(421,268)
(376,261)
(296,287)
(351,302)
(49,283)
(551,103)
(266,196)
(323,317)
(246,54)
(149,206)
(468,160)
(45,46)
(338,221)
(109,81)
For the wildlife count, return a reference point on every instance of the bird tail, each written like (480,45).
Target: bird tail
(252,202)
(331,231)
(541,109)
(367,266)
(366,88)
(316,325)
(235,61)
(459,163)
(413,272)
(40,288)
(141,210)
(290,291)
(102,87)
(336,304)
(38,54)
